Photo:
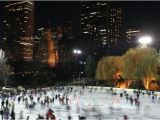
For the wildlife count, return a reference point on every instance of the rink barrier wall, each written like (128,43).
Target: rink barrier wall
(121,89)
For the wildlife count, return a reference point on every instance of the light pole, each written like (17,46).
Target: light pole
(76,52)
(144,41)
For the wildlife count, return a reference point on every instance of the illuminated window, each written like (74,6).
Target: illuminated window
(26,17)
(25,12)
(85,32)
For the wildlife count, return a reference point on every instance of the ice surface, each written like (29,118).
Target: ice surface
(95,103)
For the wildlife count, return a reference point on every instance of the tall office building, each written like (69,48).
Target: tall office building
(67,30)
(40,51)
(115,26)
(94,24)
(66,42)
(18,36)
(102,25)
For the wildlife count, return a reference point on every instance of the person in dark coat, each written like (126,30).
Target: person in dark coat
(19,99)
(131,100)
(7,103)
(2,112)
(12,115)
(125,117)
(2,104)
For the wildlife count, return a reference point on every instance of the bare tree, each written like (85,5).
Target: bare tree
(5,68)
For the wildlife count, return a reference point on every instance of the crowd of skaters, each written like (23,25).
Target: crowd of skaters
(7,110)
(31,98)
(27,98)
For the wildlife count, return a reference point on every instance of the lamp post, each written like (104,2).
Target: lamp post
(144,41)
(76,52)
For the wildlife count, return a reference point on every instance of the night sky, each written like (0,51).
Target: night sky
(141,15)
(57,13)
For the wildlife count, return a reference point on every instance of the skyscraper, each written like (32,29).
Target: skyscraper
(115,26)
(66,42)
(67,29)
(102,25)
(18,36)
(40,47)
(94,24)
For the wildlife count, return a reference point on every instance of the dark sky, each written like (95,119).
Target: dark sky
(58,13)
(144,15)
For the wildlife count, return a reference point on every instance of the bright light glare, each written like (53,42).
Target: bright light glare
(79,52)
(76,51)
(145,40)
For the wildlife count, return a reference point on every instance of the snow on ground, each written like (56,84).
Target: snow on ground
(96,104)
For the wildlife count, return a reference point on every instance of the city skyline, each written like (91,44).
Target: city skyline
(138,14)
(107,23)
(141,15)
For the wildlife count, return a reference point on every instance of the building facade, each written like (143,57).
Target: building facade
(102,26)
(40,51)
(66,42)
(18,35)
(115,27)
